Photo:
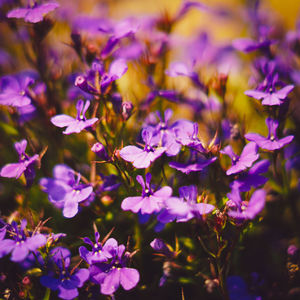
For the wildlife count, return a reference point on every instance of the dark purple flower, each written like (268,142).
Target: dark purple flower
(65,281)
(244,210)
(25,164)
(114,273)
(33,14)
(75,125)
(65,191)
(109,183)
(270,96)
(249,45)
(142,158)
(14,90)
(271,142)
(150,201)
(245,160)
(252,178)
(20,244)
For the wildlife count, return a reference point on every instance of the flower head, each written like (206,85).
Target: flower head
(242,162)
(75,125)
(33,14)
(65,190)
(271,142)
(25,164)
(20,242)
(150,201)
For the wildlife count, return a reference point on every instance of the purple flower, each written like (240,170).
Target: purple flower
(193,166)
(270,96)
(253,178)
(65,191)
(33,14)
(142,158)
(97,81)
(112,274)
(150,201)
(184,208)
(271,142)
(245,160)
(63,280)
(14,90)
(20,244)
(249,45)
(244,210)
(187,135)
(25,164)
(75,125)
(98,254)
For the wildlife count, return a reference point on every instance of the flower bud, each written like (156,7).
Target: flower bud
(99,149)
(127,108)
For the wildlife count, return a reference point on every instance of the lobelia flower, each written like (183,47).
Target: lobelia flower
(271,96)
(97,81)
(60,278)
(19,243)
(271,142)
(188,136)
(194,165)
(65,191)
(14,90)
(25,164)
(249,45)
(113,273)
(184,208)
(75,125)
(252,178)
(33,14)
(142,158)
(150,201)
(244,210)
(245,160)
(99,253)
(165,134)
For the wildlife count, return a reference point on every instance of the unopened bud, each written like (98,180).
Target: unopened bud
(127,108)
(99,149)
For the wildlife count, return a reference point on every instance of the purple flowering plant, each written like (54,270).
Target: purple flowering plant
(161,113)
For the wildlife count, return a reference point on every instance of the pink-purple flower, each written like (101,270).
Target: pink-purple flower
(271,142)
(75,125)
(33,14)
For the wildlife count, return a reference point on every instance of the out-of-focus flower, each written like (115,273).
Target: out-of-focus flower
(25,164)
(245,160)
(270,96)
(33,14)
(14,90)
(184,208)
(252,178)
(243,210)
(271,142)
(75,125)
(97,81)
(150,201)
(65,191)
(20,244)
